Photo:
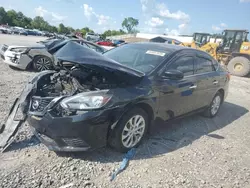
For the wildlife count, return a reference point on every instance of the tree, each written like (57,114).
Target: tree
(53,29)
(3,16)
(129,23)
(22,21)
(122,32)
(11,17)
(71,30)
(113,33)
(39,23)
(62,29)
(86,30)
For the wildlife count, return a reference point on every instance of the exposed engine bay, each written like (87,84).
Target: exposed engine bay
(76,80)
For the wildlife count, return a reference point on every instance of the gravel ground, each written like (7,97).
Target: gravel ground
(191,152)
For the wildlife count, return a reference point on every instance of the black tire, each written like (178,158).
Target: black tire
(88,38)
(208,111)
(37,63)
(115,136)
(239,66)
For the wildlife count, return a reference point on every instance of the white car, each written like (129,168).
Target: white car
(40,55)
(24,57)
(92,37)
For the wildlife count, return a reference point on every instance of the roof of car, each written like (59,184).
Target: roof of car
(170,47)
(161,45)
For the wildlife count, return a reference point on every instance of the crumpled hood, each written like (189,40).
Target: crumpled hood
(76,53)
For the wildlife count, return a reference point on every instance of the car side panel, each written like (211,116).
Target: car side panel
(176,97)
(206,88)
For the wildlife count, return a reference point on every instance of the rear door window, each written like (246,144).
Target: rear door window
(203,65)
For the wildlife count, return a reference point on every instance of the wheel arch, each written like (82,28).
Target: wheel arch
(144,105)
(34,53)
(222,91)
(41,55)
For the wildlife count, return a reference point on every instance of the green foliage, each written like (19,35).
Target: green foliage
(13,18)
(3,15)
(130,23)
(39,23)
(86,30)
(113,33)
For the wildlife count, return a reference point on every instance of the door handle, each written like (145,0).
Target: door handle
(193,87)
(215,82)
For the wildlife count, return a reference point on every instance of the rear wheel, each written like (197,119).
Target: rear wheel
(41,63)
(129,131)
(214,107)
(239,66)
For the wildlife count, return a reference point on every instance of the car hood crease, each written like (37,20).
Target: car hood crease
(75,53)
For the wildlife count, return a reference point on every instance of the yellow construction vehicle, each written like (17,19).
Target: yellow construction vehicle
(233,51)
(199,40)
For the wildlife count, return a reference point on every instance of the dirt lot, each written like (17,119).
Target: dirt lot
(192,152)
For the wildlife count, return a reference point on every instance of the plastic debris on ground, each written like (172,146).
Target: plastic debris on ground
(128,156)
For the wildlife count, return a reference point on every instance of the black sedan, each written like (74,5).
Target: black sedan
(114,98)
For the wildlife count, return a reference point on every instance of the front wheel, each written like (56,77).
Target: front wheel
(129,131)
(41,63)
(214,107)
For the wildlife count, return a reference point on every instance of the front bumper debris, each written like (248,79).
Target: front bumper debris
(18,114)
(14,120)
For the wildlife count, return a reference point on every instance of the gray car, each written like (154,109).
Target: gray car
(39,56)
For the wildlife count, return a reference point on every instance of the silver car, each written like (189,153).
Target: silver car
(39,56)
(92,37)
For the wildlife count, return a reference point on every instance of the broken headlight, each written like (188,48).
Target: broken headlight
(86,101)
(19,50)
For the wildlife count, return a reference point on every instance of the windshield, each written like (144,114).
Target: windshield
(140,57)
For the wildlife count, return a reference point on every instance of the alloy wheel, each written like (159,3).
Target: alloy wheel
(43,64)
(133,131)
(215,105)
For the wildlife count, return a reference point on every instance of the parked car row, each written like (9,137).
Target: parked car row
(94,37)
(22,31)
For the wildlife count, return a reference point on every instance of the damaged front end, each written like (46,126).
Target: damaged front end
(72,109)
(18,113)
(45,104)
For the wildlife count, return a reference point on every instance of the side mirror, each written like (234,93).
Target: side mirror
(173,75)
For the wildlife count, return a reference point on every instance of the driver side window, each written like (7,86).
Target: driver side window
(184,64)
